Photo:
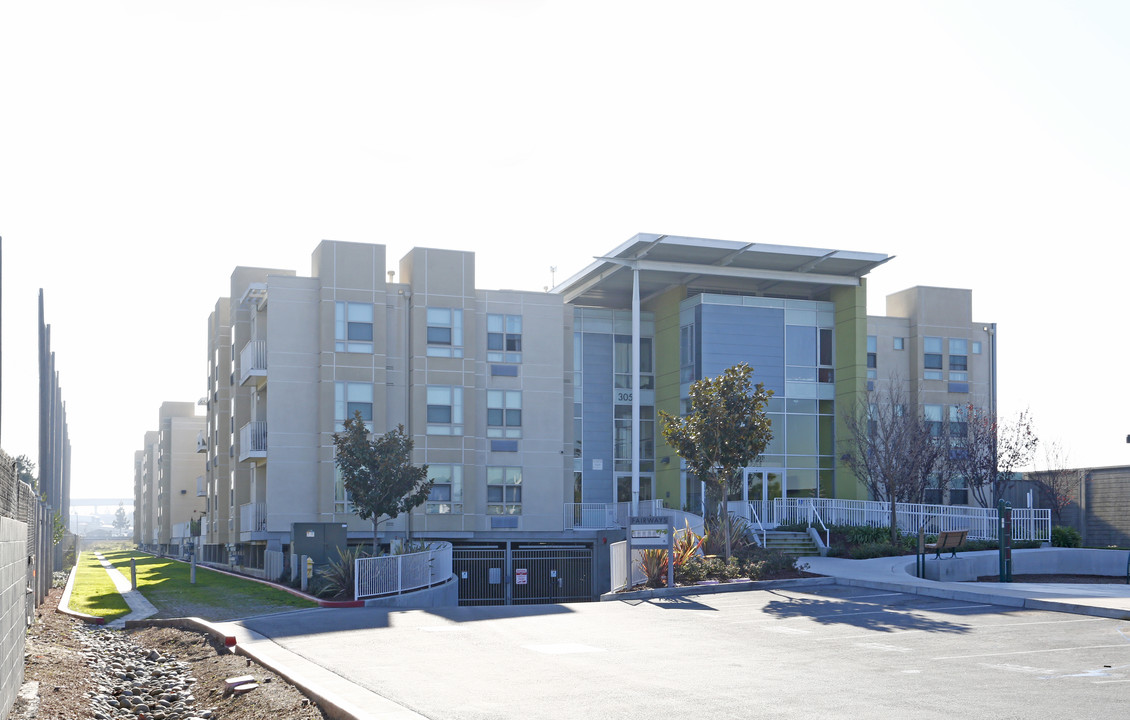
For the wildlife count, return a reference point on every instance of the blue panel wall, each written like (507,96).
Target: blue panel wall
(734,333)
(596,432)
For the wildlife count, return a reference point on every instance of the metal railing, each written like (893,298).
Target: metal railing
(982,523)
(252,439)
(620,566)
(589,516)
(397,574)
(252,360)
(814,514)
(755,518)
(253,517)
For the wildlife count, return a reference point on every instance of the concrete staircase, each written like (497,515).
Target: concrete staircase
(797,544)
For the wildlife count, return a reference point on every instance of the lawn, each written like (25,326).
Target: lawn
(215,596)
(94,593)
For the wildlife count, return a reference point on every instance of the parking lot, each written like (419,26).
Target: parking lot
(832,650)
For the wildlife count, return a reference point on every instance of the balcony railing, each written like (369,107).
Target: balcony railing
(253,440)
(252,361)
(252,518)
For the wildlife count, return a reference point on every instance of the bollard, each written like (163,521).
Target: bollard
(133,573)
(1004,535)
(192,572)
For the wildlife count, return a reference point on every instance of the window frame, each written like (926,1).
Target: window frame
(508,406)
(505,330)
(345,326)
(452,325)
(453,425)
(507,479)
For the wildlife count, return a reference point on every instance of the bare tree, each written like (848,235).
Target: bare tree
(890,448)
(1056,483)
(986,453)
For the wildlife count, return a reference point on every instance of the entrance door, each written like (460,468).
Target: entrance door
(762,487)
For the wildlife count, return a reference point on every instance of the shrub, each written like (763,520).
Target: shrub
(336,578)
(714,542)
(1065,536)
(867,534)
(874,550)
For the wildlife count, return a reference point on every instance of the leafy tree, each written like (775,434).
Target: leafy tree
(1056,483)
(122,521)
(725,431)
(25,469)
(58,529)
(987,452)
(378,473)
(891,449)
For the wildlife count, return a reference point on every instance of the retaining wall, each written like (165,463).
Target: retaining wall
(1044,561)
(13,609)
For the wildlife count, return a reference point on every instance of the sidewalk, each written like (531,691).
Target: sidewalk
(897,574)
(139,607)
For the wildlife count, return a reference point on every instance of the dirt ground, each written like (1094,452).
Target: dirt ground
(54,659)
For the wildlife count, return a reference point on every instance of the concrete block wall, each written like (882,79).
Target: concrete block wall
(1107,507)
(13,609)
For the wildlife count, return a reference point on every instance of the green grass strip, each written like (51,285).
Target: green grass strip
(215,596)
(94,593)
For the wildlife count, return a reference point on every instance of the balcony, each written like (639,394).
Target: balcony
(201,442)
(200,489)
(252,361)
(253,441)
(252,519)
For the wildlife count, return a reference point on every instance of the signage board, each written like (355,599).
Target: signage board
(520,576)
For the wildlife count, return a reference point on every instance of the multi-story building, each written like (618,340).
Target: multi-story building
(169,478)
(527,407)
(475,376)
(939,359)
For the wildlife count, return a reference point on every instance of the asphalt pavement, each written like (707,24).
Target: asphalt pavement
(872,641)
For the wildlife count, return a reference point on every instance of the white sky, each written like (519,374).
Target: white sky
(148,148)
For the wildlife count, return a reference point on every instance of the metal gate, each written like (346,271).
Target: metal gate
(482,574)
(552,574)
(527,574)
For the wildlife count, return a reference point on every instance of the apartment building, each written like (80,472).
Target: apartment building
(476,376)
(940,358)
(169,478)
(527,407)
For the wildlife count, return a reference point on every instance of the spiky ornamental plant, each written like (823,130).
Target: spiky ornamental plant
(725,431)
(378,472)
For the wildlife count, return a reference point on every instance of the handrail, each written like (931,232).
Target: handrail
(753,514)
(812,511)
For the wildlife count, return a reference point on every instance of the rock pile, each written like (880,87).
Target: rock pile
(133,682)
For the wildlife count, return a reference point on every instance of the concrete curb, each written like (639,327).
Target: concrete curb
(715,589)
(315,682)
(187,623)
(65,600)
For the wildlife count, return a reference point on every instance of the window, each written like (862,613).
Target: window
(899,343)
(959,357)
(933,416)
(504,338)
(932,353)
(622,439)
(958,426)
(350,398)
(976,347)
(445,332)
(446,496)
(623,363)
(343,503)
(504,413)
(353,327)
(445,410)
(504,491)
(872,352)
(686,353)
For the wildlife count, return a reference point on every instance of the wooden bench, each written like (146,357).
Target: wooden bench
(947,540)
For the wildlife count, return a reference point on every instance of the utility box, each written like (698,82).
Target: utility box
(319,541)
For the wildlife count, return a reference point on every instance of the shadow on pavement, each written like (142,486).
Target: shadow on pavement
(865,615)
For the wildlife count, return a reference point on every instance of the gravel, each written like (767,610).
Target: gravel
(132,681)
(151,673)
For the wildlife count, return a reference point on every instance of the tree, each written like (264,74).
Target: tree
(725,431)
(1056,483)
(121,520)
(378,473)
(25,470)
(893,451)
(987,452)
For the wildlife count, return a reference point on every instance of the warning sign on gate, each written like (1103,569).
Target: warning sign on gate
(520,576)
